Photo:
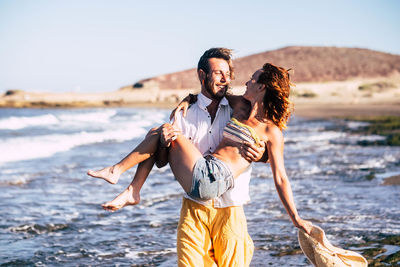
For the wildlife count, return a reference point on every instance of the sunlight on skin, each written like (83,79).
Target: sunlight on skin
(128,197)
(110,174)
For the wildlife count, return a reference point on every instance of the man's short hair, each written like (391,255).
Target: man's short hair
(218,52)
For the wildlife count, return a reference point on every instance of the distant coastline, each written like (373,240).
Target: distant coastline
(330,82)
(121,98)
(324,100)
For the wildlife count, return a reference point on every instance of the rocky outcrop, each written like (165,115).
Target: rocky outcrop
(308,64)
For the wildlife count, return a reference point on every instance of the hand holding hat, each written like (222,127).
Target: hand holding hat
(304,225)
(322,253)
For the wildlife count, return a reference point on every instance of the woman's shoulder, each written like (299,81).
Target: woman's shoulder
(272,131)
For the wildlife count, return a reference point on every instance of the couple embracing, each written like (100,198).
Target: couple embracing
(210,146)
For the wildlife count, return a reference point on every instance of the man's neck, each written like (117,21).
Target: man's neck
(212,109)
(213,106)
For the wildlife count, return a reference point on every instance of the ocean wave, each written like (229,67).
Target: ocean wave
(16,123)
(24,148)
(17,182)
(309,138)
(368,164)
(159,199)
(354,125)
(95,116)
(37,229)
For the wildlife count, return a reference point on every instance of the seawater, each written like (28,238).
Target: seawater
(51,211)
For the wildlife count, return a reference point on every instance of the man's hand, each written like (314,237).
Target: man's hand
(252,152)
(168,133)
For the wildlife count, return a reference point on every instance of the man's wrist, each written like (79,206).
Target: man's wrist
(163,146)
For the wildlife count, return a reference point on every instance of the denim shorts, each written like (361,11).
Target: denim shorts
(211,178)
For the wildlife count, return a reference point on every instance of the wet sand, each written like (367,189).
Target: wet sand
(394,180)
(337,110)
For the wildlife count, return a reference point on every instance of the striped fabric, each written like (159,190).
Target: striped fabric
(239,132)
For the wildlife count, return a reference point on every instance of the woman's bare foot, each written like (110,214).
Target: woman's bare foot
(110,174)
(128,197)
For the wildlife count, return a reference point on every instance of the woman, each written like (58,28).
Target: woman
(259,115)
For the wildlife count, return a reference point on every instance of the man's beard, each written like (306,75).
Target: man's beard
(209,88)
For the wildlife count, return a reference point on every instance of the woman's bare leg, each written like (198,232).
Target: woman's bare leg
(183,156)
(142,152)
(131,195)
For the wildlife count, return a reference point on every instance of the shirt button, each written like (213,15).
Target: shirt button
(210,131)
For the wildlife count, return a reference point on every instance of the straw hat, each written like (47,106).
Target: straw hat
(322,254)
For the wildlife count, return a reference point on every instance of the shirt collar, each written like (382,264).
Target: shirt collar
(204,101)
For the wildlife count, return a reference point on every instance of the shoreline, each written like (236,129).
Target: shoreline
(328,100)
(310,110)
(335,110)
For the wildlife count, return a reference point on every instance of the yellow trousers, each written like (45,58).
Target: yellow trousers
(209,236)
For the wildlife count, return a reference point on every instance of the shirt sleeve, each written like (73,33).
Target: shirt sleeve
(179,121)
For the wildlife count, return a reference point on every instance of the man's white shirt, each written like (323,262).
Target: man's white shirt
(197,127)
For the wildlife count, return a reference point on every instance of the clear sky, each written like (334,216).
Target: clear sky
(102,45)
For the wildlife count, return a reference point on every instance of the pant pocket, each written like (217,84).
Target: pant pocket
(208,187)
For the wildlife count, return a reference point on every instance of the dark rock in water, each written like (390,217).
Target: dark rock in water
(387,126)
(288,252)
(384,251)
(370,176)
(37,229)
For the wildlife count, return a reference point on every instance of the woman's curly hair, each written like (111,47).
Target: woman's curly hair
(277,106)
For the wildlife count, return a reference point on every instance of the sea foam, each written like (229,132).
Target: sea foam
(16,123)
(24,148)
(96,116)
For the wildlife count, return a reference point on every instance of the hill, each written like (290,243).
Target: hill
(330,82)
(309,64)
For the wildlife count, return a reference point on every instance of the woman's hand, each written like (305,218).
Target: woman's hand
(183,106)
(303,224)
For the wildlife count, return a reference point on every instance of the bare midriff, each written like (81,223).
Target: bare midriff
(229,152)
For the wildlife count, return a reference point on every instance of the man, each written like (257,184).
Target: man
(212,233)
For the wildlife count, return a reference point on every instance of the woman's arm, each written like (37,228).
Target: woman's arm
(234,100)
(282,184)
(183,105)
(191,99)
